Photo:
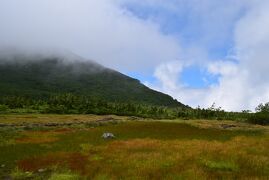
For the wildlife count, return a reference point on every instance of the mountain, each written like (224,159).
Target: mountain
(41,76)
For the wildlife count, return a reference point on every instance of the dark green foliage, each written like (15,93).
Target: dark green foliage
(42,78)
(3,108)
(217,113)
(261,118)
(264,108)
(73,104)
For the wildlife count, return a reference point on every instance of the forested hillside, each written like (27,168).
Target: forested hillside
(40,78)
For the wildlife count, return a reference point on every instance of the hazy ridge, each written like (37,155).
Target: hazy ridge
(40,76)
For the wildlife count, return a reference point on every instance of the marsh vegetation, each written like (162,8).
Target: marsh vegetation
(142,149)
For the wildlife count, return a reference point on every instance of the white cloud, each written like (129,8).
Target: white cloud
(223,68)
(168,74)
(203,23)
(242,84)
(103,30)
(97,29)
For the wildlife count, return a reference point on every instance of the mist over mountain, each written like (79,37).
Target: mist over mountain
(41,76)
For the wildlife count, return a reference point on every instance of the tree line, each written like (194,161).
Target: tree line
(73,104)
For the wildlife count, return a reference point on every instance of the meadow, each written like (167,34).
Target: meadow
(35,146)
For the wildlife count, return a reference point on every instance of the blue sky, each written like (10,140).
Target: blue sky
(193,76)
(212,64)
(187,28)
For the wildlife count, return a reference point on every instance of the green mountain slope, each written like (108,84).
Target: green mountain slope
(43,77)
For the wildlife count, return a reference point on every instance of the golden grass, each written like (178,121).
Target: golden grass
(240,158)
(51,118)
(216,124)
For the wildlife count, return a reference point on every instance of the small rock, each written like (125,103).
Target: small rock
(41,170)
(3,165)
(108,136)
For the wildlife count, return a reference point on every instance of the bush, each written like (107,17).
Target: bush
(260,118)
(3,108)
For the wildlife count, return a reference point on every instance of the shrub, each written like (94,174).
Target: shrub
(3,108)
(260,118)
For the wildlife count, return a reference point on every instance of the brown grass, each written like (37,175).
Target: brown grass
(74,161)
(37,137)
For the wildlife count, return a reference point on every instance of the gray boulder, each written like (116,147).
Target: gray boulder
(108,136)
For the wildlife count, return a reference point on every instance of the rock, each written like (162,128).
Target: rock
(3,165)
(227,126)
(41,170)
(108,136)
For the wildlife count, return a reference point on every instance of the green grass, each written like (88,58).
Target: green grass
(221,165)
(19,174)
(65,176)
(141,150)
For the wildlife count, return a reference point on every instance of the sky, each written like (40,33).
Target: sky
(198,51)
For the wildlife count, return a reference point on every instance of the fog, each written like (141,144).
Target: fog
(99,30)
